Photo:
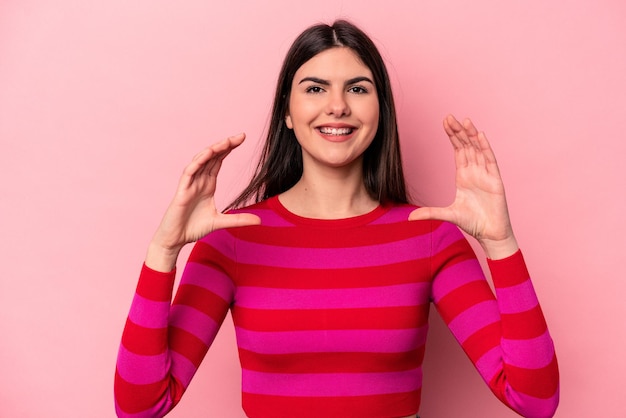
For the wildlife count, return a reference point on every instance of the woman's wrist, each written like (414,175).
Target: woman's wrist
(159,258)
(499,249)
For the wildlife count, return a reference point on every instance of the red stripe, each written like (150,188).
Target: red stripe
(188,345)
(482,341)
(463,298)
(454,253)
(331,362)
(310,237)
(133,398)
(154,285)
(524,325)
(509,271)
(206,255)
(402,404)
(402,317)
(266,276)
(540,383)
(144,341)
(203,300)
(391,274)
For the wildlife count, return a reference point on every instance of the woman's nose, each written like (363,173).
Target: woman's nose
(337,105)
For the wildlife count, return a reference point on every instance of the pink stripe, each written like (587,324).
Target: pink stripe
(194,322)
(445,235)
(209,278)
(159,410)
(455,276)
(375,341)
(490,363)
(411,294)
(396,214)
(532,407)
(330,384)
(516,299)
(329,258)
(148,313)
(182,368)
(533,353)
(139,369)
(222,241)
(268,217)
(474,319)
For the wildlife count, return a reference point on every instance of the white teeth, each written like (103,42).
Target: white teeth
(335,131)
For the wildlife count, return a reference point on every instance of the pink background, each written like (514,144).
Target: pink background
(103,103)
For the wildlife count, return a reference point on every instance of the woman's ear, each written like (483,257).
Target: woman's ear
(288,122)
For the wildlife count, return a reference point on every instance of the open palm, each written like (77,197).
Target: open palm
(480,207)
(192,214)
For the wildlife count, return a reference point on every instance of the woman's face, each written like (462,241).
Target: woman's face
(333,109)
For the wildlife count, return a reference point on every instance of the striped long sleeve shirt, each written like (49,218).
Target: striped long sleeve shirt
(331,318)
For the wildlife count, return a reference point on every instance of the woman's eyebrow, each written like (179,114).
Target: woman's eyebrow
(327,83)
(315,80)
(358,80)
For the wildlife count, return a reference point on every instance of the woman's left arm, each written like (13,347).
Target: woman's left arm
(507,338)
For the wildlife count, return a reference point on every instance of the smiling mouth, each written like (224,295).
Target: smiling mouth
(336,131)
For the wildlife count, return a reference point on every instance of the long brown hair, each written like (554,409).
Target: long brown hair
(280,164)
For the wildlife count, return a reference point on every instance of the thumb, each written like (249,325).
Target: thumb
(236,220)
(430,213)
(245,219)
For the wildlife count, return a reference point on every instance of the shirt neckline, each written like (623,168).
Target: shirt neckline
(359,220)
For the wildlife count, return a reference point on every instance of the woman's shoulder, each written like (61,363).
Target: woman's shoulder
(269,210)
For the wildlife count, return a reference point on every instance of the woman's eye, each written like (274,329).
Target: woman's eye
(314,89)
(357,90)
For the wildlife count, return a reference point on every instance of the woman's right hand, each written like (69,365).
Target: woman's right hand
(192,213)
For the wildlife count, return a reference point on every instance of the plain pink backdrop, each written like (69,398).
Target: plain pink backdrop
(103,103)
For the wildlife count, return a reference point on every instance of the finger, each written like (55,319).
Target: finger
(447,126)
(473,150)
(456,130)
(213,166)
(484,144)
(201,164)
(221,151)
(469,127)
(224,148)
(225,145)
(479,141)
(431,213)
(488,154)
(474,135)
(228,144)
(471,132)
(209,159)
(473,155)
(484,154)
(462,142)
(237,140)
(450,125)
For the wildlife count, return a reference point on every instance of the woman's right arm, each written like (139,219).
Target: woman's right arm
(192,213)
(150,368)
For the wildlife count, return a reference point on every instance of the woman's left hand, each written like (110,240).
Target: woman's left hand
(479,207)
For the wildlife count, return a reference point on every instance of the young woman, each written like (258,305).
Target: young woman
(329,271)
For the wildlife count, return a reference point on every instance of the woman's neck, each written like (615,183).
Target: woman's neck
(329,197)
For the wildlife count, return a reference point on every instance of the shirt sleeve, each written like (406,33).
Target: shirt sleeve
(164,342)
(506,338)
